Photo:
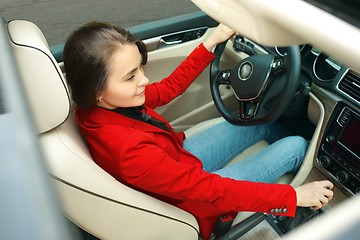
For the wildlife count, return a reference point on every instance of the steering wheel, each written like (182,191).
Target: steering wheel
(258,81)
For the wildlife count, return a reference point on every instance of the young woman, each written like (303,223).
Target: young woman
(128,139)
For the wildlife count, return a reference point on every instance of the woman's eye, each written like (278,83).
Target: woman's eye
(131,78)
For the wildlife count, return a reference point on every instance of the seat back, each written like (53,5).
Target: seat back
(90,197)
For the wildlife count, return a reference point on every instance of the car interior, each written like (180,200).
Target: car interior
(324,108)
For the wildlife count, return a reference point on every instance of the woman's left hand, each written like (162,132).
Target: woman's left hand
(219,35)
(315,194)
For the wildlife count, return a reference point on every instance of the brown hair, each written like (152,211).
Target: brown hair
(87,54)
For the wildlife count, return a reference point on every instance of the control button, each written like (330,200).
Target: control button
(271,211)
(324,161)
(330,139)
(285,210)
(343,176)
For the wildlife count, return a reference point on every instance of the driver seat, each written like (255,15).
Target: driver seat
(90,197)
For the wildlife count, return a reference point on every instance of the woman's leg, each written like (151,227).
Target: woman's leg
(216,146)
(285,155)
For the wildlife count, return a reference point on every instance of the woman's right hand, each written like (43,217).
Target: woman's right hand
(315,194)
(219,35)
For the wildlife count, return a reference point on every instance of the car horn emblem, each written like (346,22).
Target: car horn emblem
(245,70)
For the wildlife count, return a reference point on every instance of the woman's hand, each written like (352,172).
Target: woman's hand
(219,35)
(314,194)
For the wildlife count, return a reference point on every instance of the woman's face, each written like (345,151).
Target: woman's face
(125,86)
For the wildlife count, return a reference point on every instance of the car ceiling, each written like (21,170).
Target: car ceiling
(288,22)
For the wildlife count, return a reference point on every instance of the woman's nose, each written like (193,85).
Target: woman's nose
(143,80)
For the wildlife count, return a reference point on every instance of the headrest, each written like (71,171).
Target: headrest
(43,81)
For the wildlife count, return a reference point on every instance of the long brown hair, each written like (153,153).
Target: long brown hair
(87,55)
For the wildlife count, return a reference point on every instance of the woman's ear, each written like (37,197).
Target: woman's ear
(98,98)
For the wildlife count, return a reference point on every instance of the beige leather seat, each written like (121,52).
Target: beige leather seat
(90,197)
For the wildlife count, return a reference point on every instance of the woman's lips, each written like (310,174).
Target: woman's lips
(141,93)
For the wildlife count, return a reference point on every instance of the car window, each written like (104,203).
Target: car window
(57,18)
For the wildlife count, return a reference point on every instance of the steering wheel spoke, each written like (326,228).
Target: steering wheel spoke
(223,78)
(278,67)
(248,109)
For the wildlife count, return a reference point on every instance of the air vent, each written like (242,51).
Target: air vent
(350,85)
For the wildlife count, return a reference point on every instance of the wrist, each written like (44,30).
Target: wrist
(298,197)
(209,45)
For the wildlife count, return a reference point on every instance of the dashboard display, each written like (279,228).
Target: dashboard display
(350,138)
(281,51)
(325,68)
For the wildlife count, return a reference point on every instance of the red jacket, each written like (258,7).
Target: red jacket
(153,161)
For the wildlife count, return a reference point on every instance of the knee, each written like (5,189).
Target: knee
(293,144)
(298,150)
(297,143)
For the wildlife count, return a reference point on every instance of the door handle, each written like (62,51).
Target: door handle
(181,37)
(163,43)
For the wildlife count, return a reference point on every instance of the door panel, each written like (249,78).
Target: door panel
(162,63)
(171,25)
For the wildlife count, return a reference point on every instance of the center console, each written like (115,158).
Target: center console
(339,152)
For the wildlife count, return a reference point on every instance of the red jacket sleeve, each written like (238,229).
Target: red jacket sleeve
(142,163)
(161,93)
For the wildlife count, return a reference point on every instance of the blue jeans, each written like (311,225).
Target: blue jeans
(219,144)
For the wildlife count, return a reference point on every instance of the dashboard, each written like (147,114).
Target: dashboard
(327,73)
(338,149)
(332,74)
(338,152)
(324,71)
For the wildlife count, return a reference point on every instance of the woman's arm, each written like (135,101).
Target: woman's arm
(220,34)
(146,166)
(161,93)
